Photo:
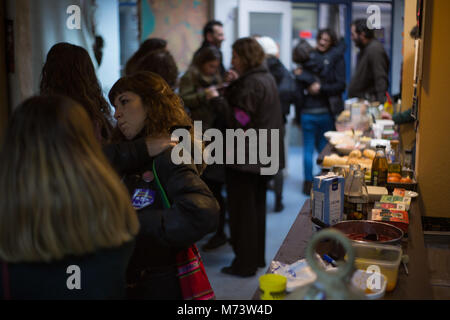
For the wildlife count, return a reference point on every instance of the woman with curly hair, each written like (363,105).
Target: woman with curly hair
(147,107)
(68,71)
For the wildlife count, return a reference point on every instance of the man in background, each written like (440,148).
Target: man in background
(371,77)
(213,36)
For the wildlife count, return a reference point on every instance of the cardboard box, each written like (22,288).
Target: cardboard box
(328,198)
(390,206)
(397,199)
(398,218)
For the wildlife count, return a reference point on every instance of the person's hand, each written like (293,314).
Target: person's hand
(386,115)
(157,145)
(314,89)
(211,92)
(231,75)
(298,71)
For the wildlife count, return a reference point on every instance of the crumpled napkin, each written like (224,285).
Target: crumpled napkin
(298,274)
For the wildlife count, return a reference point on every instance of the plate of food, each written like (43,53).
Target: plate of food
(333,134)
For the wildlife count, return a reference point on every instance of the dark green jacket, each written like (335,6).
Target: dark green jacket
(192,86)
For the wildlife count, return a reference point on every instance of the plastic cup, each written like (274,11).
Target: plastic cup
(272,286)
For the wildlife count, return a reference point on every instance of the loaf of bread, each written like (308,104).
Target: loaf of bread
(363,162)
(355,154)
(369,153)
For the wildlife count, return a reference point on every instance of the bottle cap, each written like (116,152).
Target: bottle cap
(273,286)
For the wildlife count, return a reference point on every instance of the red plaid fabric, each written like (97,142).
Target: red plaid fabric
(192,275)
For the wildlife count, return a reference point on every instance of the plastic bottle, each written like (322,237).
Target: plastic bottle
(379,167)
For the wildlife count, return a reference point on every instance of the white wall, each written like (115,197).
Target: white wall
(108,27)
(226,11)
(47,26)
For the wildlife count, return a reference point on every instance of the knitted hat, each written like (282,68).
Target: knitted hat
(269,45)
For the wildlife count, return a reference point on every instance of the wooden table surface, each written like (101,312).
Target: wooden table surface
(415,285)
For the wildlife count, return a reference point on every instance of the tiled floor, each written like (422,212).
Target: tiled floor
(278,224)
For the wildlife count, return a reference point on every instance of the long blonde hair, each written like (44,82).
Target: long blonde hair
(59,195)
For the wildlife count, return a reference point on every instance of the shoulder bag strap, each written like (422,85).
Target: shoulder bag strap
(161,189)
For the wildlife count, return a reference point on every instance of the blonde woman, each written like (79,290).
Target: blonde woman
(67,226)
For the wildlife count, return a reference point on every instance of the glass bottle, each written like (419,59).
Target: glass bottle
(356,197)
(395,165)
(407,170)
(379,167)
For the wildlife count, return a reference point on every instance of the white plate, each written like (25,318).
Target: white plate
(411,194)
(333,134)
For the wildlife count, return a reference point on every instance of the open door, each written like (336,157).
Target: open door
(267,18)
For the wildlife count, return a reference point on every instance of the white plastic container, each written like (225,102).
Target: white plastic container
(375,193)
(385,257)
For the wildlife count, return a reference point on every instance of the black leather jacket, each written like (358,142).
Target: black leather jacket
(163,232)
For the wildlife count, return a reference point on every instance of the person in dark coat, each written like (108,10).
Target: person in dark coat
(67,227)
(311,63)
(197,89)
(250,103)
(323,100)
(370,80)
(146,106)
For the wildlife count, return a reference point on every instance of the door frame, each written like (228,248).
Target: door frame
(262,6)
(348,24)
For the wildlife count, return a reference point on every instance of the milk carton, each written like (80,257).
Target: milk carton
(328,198)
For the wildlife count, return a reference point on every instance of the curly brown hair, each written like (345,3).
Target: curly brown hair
(164,108)
(68,71)
(250,52)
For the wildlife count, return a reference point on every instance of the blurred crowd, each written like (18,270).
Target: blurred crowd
(85,186)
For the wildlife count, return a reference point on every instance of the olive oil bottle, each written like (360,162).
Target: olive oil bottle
(380,167)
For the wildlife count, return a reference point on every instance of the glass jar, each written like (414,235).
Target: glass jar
(407,169)
(394,163)
(356,197)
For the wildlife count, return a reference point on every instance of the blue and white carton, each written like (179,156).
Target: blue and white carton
(328,198)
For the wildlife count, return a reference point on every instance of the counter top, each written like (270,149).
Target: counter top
(415,285)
